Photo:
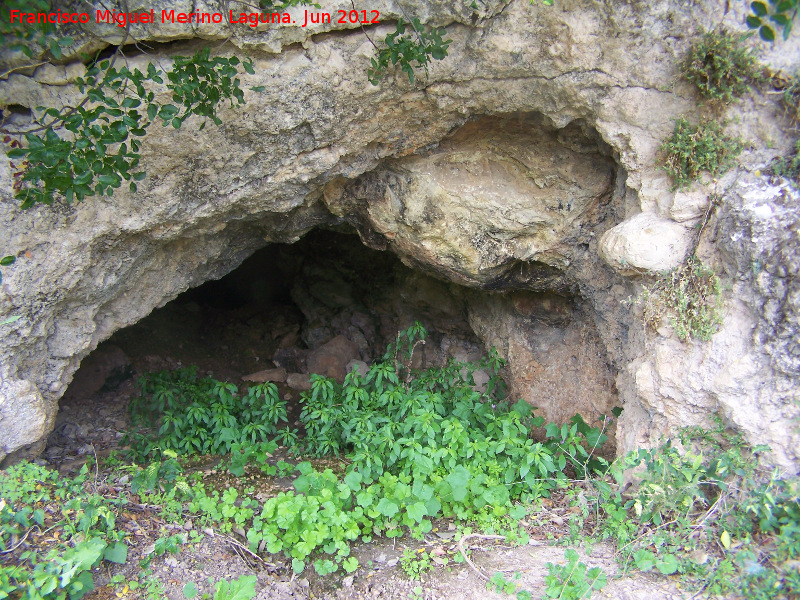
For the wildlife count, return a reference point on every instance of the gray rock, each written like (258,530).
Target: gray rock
(299,382)
(277,375)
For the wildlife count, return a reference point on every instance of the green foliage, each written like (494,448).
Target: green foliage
(24,37)
(692,149)
(499,584)
(243,588)
(415,563)
(720,65)
(6,261)
(573,580)
(772,15)
(690,297)
(101,145)
(36,500)
(203,415)
(412,47)
(705,510)
(789,167)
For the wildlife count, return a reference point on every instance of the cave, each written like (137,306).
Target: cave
(327,304)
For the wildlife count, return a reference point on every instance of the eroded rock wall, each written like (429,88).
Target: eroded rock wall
(570,200)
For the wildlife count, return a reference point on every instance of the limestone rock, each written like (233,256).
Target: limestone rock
(645,243)
(359,365)
(24,416)
(277,375)
(299,382)
(331,359)
(533,140)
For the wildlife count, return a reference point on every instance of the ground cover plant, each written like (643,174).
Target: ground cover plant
(408,450)
(694,149)
(721,66)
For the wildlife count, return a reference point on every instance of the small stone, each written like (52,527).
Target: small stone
(299,382)
(348,581)
(392,562)
(277,375)
(171,561)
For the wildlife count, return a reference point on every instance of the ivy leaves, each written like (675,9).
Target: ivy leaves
(767,17)
(410,46)
(101,146)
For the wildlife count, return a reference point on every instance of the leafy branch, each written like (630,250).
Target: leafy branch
(101,148)
(410,48)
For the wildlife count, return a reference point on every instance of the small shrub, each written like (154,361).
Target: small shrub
(574,580)
(721,66)
(789,167)
(693,149)
(791,97)
(690,296)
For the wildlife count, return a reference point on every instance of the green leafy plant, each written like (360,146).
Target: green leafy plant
(693,149)
(24,37)
(772,15)
(203,415)
(720,65)
(415,563)
(101,146)
(789,167)
(690,297)
(412,47)
(500,584)
(573,580)
(35,501)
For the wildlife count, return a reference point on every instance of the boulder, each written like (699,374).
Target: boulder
(331,359)
(277,375)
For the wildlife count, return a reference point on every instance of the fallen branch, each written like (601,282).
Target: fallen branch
(467,558)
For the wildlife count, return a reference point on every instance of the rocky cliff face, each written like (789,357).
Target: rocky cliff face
(525,164)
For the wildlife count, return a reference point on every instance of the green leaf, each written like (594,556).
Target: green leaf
(7,260)
(388,508)
(118,553)
(243,588)
(759,8)
(668,564)
(189,590)
(298,566)
(258,88)
(766,33)
(353,480)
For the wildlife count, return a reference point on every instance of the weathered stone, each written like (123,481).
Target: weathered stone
(331,359)
(277,375)
(299,382)
(645,243)
(537,135)
(360,367)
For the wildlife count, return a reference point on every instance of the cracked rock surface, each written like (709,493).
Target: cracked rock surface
(535,139)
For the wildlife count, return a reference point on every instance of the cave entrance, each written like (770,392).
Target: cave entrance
(320,305)
(494,188)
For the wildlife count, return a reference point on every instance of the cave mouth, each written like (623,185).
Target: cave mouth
(496,227)
(289,309)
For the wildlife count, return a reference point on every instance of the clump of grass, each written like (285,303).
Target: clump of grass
(791,97)
(692,149)
(721,66)
(690,297)
(789,166)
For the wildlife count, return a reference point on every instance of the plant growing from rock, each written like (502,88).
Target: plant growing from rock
(721,66)
(690,297)
(789,166)
(694,149)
